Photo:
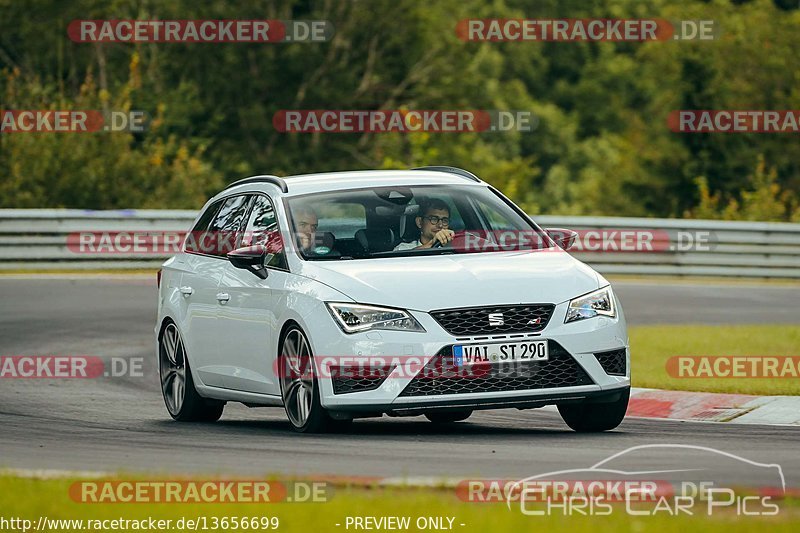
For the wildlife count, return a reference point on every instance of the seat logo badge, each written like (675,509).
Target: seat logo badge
(496,319)
(534,321)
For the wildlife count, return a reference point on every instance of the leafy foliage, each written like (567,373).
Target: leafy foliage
(601,145)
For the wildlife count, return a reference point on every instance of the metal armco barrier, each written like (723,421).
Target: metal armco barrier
(36,239)
(695,247)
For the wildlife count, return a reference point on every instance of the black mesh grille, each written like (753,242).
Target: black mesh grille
(358,378)
(505,319)
(441,376)
(613,362)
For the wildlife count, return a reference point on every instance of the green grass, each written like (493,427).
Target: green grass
(652,346)
(32,498)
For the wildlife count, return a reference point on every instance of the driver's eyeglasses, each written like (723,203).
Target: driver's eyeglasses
(433,219)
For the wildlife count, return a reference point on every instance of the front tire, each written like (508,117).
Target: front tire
(177,386)
(300,386)
(593,417)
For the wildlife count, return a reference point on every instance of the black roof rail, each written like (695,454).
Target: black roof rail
(452,170)
(275,180)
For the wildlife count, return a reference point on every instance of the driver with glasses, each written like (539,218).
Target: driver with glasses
(433,223)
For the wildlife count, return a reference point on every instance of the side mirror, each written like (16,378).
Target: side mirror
(564,238)
(252,258)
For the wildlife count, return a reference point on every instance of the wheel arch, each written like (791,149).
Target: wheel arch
(287,325)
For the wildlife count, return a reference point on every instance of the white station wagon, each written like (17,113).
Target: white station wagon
(412,292)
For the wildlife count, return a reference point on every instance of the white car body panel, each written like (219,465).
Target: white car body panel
(550,275)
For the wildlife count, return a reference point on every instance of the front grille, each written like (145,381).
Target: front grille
(356,378)
(441,376)
(503,319)
(613,362)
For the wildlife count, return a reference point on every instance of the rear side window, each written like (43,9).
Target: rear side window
(227,225)
(195,237)
(231,214)
(224,230)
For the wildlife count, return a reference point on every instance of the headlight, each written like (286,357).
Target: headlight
(597,303)
(353,318)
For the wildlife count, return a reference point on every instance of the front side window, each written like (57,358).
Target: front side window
(398,221)
(262,230)
(495,217)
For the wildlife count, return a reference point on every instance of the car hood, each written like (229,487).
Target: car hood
(425,283)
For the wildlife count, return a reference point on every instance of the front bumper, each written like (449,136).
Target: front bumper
(579,340)
(517,401)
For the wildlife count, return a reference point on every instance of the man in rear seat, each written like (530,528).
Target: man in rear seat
(306,223)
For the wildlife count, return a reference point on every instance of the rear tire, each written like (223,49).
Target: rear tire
(183,402)
(593,417)
(447,417)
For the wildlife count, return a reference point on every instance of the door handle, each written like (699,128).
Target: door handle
(223,297)
(186,291)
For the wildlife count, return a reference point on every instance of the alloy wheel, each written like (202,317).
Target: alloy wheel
(172,367)
(297,379)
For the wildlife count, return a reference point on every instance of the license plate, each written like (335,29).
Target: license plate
(507,352)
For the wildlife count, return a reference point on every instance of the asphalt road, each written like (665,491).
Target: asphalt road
(110,424)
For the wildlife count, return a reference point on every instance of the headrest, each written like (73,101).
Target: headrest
(376,239)
(408,225)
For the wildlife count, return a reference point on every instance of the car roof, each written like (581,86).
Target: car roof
(354,179)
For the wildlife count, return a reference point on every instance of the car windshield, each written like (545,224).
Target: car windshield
(409,221)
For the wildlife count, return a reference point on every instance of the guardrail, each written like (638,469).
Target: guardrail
(36,239)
